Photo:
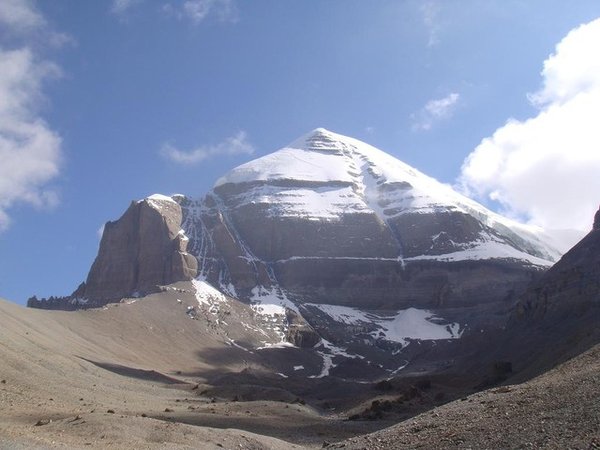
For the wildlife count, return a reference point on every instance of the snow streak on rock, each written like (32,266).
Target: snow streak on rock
(401,327)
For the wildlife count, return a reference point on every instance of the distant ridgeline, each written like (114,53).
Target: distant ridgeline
(52,302)
(67,303)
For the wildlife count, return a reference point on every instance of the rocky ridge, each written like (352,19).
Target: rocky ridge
(144,249)
(571,287)
(558,316)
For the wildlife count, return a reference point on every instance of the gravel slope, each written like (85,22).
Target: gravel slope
(47,378)
(110,378)
(558,410)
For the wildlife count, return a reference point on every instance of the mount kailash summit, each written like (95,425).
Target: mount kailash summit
(329,245)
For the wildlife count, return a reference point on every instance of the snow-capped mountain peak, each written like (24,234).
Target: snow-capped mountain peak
(326,176)
(324,241)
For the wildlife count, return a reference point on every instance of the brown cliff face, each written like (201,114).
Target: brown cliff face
(140,251)
(571,288)
(558,316)
(228,255)
(354,260)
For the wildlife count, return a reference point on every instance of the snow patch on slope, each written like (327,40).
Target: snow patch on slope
(271,304)
(416,324)
(270,301)
(486,250)
(328,351)
(324,202)
(157,201)
(401,327)
(208,296)
(160,197)
(290,164)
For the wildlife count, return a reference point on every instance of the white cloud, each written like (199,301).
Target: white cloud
(547,168)
(21,22)
(442,107)
(120,7)
(573,69)
(430,11)
(435,110)
(199,10)
(234,145)
(30,151)
(20,15)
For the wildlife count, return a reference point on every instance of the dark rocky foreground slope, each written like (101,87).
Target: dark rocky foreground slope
(558,316)
(568,290)
(557,410)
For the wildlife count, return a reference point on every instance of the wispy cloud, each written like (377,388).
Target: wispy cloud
(21,23)
(199,10)
(547,168)
(234,145)
(20,16)
(121,7)
(30,151)
(434,111)
(430,11)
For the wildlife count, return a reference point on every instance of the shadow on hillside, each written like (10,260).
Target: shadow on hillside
(140,374)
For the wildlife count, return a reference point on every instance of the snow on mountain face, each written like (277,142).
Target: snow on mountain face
(325,176)
(328,244)
(330,220)
(400,327)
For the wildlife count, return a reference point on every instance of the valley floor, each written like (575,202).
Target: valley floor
(136,375)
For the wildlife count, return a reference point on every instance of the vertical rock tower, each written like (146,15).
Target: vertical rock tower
(145,248)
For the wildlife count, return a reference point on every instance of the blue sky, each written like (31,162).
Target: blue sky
(110,101)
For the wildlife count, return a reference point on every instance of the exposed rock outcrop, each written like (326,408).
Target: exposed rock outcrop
(558,316)
(299,332)
(145,248)
(569,289)
(139,252)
